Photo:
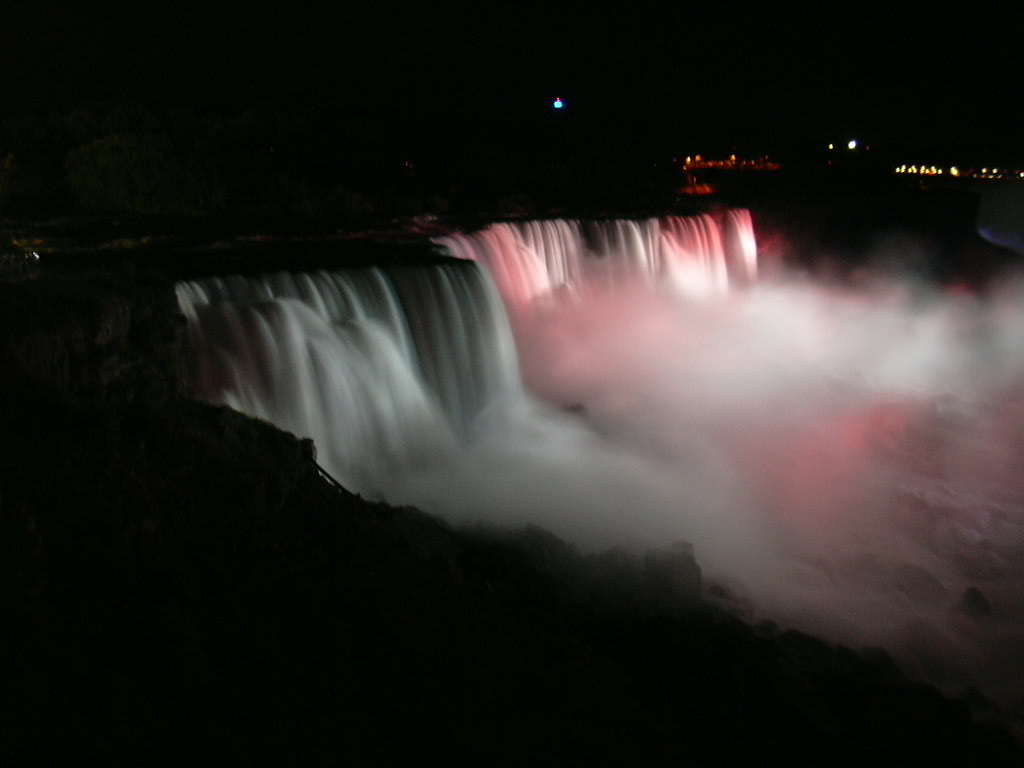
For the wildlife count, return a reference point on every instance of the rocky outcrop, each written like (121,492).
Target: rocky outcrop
(98,333)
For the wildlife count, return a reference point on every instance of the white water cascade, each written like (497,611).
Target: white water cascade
(386,371)
(847,461)
(698,256)
(389,371)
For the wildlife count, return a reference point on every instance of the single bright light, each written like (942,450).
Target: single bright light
(558,104)
(831,146)
(852,144)
(954,171)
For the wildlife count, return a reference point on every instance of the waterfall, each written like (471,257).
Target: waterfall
(389,369)
(845,461)
(697,256)
(384,369)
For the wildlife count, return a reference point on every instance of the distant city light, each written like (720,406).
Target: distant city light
(959,172)
(733,162)
(558,103)
(831,146)
(851,144)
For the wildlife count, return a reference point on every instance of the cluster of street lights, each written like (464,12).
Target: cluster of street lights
(957,172)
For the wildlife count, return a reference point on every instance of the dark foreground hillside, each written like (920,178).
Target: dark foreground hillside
(181,585)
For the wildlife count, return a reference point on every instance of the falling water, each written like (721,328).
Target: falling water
(378,367)
(386,369)
(847,462)
(696,255)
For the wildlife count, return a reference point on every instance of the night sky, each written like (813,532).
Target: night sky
(679,76)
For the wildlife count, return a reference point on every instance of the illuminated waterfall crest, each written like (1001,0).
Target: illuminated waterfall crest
(697,256)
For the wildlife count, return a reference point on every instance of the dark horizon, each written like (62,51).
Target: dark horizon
(669,80)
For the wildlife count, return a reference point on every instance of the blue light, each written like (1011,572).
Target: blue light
(558,104)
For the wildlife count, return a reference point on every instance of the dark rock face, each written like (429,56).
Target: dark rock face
(180,584)
(673,575)
(102,333)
